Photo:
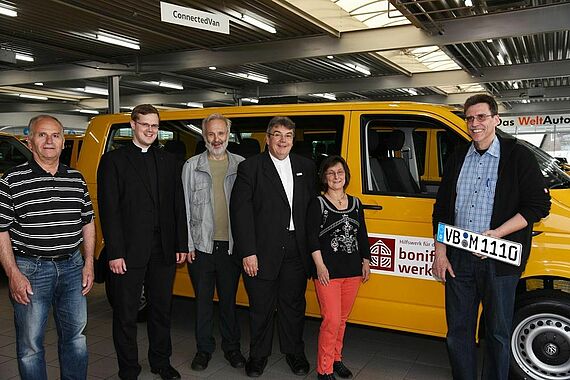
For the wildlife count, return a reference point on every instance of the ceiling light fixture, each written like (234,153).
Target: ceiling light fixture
(411,91)
(259,24)
(117,40)
(255,77)
(501,59)
(24,57)
(325,95)
(176,86)
(212,67)
(468,3)
(35,97)
(250,100)
(330,56)
(92,112)
(39,83)
(6,10)
(360,69)
(96,90)
(194,105)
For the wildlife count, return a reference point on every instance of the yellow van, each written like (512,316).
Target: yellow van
(396,152)
(12,152)
(71,149)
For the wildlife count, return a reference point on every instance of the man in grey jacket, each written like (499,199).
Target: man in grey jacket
(208,179)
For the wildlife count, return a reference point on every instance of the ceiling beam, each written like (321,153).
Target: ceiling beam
(516,23)
(158,98)
(549,93)
(428,79)
(538,107)
(37,107)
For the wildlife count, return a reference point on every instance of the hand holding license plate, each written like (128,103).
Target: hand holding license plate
(499,249)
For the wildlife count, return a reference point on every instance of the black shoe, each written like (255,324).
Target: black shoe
(166,373)
(200,361)
(255,367)
(298,364)
(340,369)
(235,358)
(326,376)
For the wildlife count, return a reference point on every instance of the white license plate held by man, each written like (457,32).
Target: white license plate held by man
(499,249)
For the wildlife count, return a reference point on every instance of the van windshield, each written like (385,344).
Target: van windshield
(555,177)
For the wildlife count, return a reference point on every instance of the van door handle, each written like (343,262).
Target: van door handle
(371,207)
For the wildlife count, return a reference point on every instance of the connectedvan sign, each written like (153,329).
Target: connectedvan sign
(194,18)
(539,120)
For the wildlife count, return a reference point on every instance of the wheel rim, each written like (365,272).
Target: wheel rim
(541,346)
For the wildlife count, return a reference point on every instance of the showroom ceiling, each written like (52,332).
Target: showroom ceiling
(321,50)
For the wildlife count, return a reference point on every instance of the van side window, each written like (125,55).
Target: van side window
(12,153)
(446,144)
(397,154)
(316,136)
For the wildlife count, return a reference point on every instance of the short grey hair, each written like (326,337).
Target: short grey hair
(280,120)
(215,116)
(36,119)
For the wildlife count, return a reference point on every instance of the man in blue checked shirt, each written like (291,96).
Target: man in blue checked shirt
(492,186)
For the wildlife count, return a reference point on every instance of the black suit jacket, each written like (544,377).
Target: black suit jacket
(260,212)
(126,206)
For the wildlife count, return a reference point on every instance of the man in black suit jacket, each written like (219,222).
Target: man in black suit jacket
(143,218)
(272,243)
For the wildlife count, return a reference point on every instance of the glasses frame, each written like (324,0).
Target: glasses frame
(154,127)
(479,117)
(278,135)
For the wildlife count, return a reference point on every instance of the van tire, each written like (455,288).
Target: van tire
(540,343)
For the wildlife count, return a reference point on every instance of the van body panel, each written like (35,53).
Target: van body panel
(401,293)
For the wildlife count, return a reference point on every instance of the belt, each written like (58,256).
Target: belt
(48,258)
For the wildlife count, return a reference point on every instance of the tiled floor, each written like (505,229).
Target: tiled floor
(370,353)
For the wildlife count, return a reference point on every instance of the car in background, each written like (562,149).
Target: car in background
(12,152)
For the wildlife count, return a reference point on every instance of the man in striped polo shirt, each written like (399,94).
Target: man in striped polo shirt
(45,215)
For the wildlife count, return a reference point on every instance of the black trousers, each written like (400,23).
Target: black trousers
(219,271)
(158,279)
(286,294)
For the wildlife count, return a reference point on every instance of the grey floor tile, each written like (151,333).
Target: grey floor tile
(426,372)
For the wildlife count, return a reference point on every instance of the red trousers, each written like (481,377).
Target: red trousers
(336,300)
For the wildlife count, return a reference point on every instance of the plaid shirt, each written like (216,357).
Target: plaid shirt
(476,188)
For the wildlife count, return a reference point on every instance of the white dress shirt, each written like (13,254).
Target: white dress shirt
(286,175)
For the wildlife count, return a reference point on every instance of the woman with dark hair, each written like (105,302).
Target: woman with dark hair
(339,244)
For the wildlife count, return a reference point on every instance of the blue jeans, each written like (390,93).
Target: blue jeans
(476,282)
(57,284)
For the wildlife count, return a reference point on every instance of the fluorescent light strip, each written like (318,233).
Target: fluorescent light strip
(4,10)
(362,70)
(257,78)
(212,67)
(39,83)
(194,105)
(326,95)
(120,41)
(96,90)
(24,57)
(92,112)
(250,100)
(175,86)
(35,97)
(259,24)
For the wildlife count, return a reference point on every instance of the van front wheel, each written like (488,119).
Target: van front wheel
(540,344)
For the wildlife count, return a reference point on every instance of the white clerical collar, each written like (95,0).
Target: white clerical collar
(280,163)
(144,149)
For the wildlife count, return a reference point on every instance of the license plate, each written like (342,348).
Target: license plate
(499,249)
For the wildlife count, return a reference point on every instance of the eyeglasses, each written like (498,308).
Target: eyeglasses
(279,135)
(147,125)
(480,117)
(332,173)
